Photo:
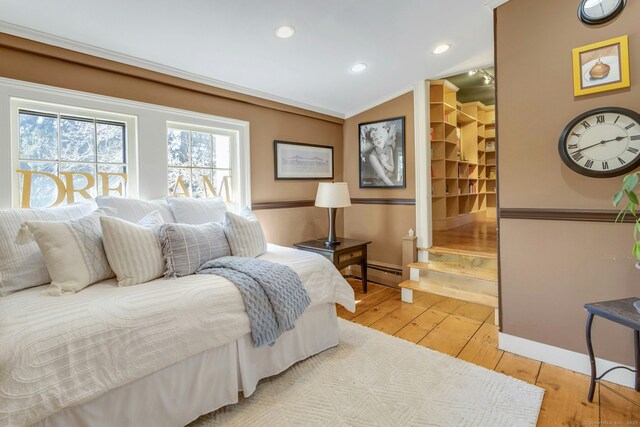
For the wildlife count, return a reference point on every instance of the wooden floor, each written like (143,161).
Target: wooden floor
(467,331)
(479,236)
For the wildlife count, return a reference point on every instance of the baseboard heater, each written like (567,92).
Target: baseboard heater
(377,273)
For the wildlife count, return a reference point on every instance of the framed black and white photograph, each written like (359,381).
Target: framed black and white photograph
(295,160)
(382,160)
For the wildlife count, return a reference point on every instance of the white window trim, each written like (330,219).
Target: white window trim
(19,89)
(131,123)
(235,162)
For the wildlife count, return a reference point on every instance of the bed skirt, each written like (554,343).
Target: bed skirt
(180,393)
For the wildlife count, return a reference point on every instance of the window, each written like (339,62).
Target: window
(65,154)
(203,162)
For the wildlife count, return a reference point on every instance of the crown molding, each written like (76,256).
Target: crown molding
(380,101)
(42,37)
(492,4)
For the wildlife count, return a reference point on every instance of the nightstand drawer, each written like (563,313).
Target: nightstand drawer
(349,257)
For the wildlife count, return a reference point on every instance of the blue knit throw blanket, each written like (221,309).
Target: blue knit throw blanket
(273,294)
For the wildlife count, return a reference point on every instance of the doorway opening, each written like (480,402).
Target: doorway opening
(463,163)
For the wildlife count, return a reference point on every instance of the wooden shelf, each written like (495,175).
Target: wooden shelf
(459,190)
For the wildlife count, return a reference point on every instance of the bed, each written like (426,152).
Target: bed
(160,353)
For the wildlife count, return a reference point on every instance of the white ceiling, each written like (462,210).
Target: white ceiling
(232,42)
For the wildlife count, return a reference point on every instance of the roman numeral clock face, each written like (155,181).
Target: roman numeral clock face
(602,143)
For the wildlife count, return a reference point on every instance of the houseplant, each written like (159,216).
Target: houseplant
(629,184)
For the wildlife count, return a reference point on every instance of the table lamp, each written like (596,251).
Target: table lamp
(332,195)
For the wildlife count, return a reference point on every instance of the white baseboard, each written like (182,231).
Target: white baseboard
(563,358)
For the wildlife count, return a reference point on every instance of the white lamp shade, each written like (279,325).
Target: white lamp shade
(333,195)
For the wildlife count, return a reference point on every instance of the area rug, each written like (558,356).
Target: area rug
(373,379)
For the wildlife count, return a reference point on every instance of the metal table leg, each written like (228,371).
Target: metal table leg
(592,359)
(636,341)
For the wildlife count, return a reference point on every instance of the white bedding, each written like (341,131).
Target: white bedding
(61,351)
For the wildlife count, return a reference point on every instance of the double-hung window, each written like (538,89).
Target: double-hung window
(204,162)
(66,154)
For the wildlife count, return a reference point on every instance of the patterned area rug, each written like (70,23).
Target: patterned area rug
(373,379)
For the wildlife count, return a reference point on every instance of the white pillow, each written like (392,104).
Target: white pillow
(197,211)
(133,250)
(73,251)
(133,210)
(244,234)
(22,266)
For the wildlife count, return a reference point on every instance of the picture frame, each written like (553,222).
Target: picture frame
(381,149)
(602,66)
(299,161)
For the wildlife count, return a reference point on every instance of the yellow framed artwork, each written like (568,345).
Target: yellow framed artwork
(601,66)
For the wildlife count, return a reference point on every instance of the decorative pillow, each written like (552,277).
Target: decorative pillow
(244,233)
(197,211)
(186,247)
(133,250)
(22,266)
(73,251)
(133,210)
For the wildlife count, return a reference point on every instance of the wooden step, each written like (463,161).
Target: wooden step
(457,270)
(437,287)
(465,252)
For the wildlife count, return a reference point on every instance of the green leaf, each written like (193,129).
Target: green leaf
(630,181)
(636,250)
(632,209)
(632,196)
(636,230)
(617,197)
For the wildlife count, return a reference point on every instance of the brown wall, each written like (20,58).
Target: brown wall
(384,225)
(36,62)
(550,269)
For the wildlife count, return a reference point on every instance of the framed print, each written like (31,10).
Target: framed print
(382,158)
(602,66)
(294,160)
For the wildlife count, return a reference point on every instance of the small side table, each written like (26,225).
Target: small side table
(347,252)
(620,311)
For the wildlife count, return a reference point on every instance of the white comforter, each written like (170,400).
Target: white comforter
(62,351)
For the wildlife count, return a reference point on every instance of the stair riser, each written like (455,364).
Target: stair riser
(465,260)
(468,284)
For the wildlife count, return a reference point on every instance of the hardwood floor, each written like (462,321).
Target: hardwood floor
(466,331)
(479,236)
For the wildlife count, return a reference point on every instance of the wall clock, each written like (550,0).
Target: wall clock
(595,12)
(602,143)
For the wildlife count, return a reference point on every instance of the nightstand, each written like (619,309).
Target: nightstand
(348,252)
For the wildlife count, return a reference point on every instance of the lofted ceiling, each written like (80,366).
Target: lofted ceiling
(231,43)
(473,86)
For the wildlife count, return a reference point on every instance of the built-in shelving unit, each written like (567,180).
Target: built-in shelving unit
(463,160)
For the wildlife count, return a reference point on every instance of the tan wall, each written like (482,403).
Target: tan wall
(384,225)
(35,62)
(551,268)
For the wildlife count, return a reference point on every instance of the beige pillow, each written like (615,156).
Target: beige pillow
(133,250)
(72,251)
(244,233)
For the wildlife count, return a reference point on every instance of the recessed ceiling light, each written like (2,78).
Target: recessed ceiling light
(359,67)
(285,31)
(441,49)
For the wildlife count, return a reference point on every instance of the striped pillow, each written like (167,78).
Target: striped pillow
(187,210)
(22,266)
(244,234)
(186,247)
(133,250)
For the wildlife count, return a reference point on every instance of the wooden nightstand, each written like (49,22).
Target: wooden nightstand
(348,252)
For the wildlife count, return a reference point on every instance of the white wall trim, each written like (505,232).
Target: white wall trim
(88,49)
(380,101)
(492,4)
(422,163)
(563,358)
(151,131)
